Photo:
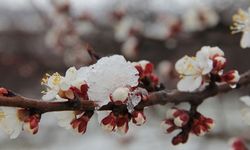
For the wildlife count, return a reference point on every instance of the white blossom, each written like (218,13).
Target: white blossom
(242,24)
(10,122)
(199,19)
(120,94)
(85,27)
(129,48)
(52,84)
(69,79)
(192,70)
(210,52)
(56,83)
(123,28)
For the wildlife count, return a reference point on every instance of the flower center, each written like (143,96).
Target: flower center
(56,79)
(241,21)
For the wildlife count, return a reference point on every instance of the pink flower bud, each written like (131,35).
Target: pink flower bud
(130,48)
(232,78)
(181,120)
(82,92)
(80,124)
(120,95)
(146,66)
(168,125)
(108,123)
(202,125)
(154,79)
(219,63)
(170,113)
(180,138)
(138,118)
(209,123)
(32,124)
(138,68)
(3,91)
(237,144)
(122,125)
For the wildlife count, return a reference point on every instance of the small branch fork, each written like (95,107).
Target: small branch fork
(155,98)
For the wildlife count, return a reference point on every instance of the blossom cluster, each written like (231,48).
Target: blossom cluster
(14,120)
(206,67)
(242,24)
(186,121)
(64,37)
(129,29)
(112,81)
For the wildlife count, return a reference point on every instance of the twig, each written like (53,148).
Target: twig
(155,98)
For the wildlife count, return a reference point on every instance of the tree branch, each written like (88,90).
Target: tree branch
(155,98)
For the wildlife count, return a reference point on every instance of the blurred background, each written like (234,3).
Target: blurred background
(38,37)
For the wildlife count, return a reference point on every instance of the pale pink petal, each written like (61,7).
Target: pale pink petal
(189,83)
(245,40)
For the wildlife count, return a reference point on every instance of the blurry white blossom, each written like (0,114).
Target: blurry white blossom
(242,24)
(198,19)
(129,48)
(126,26)
(164,69)
(14,120)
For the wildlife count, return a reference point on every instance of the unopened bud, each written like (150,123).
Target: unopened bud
(120,94)
(108,123)
(138,118)
(232,78)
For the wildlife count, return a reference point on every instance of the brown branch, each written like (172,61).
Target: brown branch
(155,98)
(45,106)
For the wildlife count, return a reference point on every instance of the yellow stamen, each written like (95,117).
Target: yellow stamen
(57,78)
(240,20)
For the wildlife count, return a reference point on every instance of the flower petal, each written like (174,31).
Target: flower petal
(50,95)
(205,64)
(65,118)
(186,66)
(189,83)
(245,40)
(10,123)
